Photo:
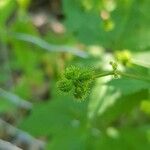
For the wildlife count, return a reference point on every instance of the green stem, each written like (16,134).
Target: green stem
(104,74)
(123,75)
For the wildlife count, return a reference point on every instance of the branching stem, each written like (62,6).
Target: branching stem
(132,76)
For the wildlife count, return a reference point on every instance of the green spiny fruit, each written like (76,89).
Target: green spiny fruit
(86,74)
(65,85)
(71,72)
(81,92)
(78,79)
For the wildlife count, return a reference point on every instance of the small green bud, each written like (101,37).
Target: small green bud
(65,85)
(115,67)
(123,56)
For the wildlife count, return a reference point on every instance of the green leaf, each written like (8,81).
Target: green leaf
(101,98)
(128,139)
(6,9)
(55,117)
(131,24)
(123,107)
(128,86)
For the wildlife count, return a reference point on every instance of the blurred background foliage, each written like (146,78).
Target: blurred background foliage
(39,39)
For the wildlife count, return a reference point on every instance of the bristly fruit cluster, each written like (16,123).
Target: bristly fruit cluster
(77,81)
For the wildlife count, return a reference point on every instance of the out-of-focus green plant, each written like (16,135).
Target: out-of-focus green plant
(114,112)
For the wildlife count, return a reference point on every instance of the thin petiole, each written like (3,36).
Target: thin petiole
(103,74)
(122,74)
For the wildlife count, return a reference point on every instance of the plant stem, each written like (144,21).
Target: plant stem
(103,74)
(132,76)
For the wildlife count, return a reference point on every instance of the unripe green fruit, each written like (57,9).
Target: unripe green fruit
(81,91)
(76,80)
(65,85)
(86,75)
(78,93)
(71,72)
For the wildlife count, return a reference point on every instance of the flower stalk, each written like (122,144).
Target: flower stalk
(78,80)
